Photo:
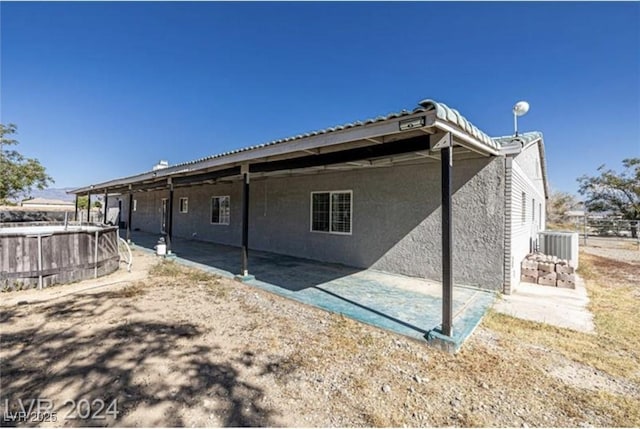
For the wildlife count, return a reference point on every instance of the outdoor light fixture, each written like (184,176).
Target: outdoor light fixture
(520,109)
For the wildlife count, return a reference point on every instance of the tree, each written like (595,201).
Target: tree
(558,205)
(82,203)
(18,175)
(613,192)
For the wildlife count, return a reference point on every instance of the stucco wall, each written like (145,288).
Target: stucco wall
(396,218)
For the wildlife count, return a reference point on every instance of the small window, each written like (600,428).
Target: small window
(533,211)
(540,215)
(331,212)
(523,215)
(220,210)
(135,205)
(184,205)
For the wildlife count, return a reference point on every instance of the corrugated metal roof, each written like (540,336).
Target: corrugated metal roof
(309,134)
(524,139)
(443,113)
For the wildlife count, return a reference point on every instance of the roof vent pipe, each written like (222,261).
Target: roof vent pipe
(161,165)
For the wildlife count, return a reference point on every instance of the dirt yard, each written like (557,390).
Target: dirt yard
(177,347)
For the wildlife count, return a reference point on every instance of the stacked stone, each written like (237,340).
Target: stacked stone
(548,270)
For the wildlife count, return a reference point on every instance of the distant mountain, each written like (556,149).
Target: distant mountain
(53,194)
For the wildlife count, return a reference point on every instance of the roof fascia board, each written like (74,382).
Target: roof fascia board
(466,140)
(543,167)
(513,149)
(372,132)
(369,131)
(318,141)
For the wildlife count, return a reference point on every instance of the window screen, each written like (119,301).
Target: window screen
(331,212)
(320,209)
(184,205)
(341,212)
(220,210)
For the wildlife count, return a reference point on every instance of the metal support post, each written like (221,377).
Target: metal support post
(446,155)
(169,230)
(245,223)
(88,207)
(130,211)
(106,202)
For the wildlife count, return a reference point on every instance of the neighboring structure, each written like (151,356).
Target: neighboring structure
(48,204)
(367,194)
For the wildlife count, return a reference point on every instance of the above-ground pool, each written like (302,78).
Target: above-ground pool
(42,254)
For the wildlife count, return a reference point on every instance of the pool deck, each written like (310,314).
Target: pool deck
(405,305)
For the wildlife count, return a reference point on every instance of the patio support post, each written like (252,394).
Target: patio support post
(130,211)
(446,162)
(245,221)
(76,216)
(88,207)
(169,217)
(106,201)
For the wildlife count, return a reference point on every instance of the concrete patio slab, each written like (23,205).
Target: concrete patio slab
(405,305)
(564,308)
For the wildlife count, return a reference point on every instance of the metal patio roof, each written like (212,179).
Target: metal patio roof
(444,116)
(525,139)
(442,111)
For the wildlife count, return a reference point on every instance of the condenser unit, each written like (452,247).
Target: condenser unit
(564,245)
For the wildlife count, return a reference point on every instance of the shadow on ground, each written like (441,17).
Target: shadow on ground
(288,272)
(106,362)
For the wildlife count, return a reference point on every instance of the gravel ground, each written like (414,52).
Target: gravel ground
(619,249)
(182,348)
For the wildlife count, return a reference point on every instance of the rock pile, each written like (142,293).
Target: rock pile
(547,270)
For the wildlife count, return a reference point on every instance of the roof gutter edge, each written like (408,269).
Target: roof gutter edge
(461,135)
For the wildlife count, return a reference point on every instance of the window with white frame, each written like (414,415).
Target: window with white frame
(220,210)
(331,212)
(523,215)
(183,205)
(135,205)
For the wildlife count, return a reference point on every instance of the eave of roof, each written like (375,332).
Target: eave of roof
(512,145)
(525,139)
(444,115)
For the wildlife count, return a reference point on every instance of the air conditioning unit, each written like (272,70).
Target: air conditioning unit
(564,245)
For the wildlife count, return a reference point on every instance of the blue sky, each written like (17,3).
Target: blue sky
(104,90)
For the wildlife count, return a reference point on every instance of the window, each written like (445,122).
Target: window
(331,212)
(220,210)
(523,215)
(135,205)
(540,215)
(533,211)
(184,205)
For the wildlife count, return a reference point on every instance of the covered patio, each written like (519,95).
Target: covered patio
(430,138)
(406,305)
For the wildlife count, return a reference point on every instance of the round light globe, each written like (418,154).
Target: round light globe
(521,108)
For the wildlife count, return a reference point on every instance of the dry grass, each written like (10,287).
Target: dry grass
(166,269)
(136,289)
(169,270)
(563,226)
(169,273)
(514,369)
(615,348)
(321,369)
